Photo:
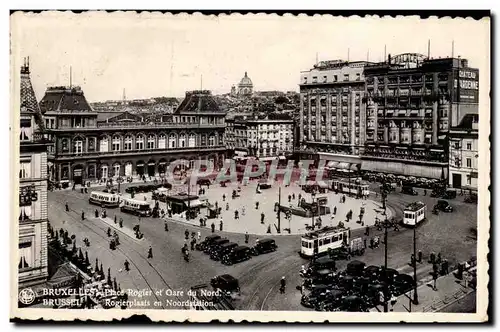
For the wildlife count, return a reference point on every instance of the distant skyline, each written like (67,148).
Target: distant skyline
(165,55)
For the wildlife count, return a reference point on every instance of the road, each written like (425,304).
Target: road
(447,233)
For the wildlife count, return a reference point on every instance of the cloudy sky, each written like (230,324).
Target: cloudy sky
(163,55)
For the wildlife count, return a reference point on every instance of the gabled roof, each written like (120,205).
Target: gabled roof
(200,101)
(29,103)
(118,117)
(64,99)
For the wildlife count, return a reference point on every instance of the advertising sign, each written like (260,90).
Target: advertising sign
(466,85)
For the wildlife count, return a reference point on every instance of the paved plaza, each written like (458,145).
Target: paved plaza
(250,217)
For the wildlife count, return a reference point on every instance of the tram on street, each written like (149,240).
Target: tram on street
(317,242)
(414,213)
(133,206)
(104,199)
(355,186)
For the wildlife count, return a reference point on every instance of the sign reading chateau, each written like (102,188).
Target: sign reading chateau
(466,85)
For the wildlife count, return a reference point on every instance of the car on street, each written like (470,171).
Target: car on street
(214,245)
(220,250)
(226,283)
(208,240)
(264,246)
(238,254)
(443,205)
(409,190)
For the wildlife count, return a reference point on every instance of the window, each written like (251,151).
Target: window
(115,144)
(103,146)
(468,180)
(64,145)
(335,79)
(161,141)
(128,143)
(182,141)
(469,162)
(172,141)
(203,140)
(25,254)
(192,141)
(139,142)
(25,134)
(346,77)
(24,212)
(91,144)
(469,146)
(25,170)
(78,146)
(457,145)
(151,142)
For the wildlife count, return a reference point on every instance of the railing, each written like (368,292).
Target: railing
(136,151)
(135,125)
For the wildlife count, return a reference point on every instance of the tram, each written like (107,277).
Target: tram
(317,242)
(104,199)
(414,213)
(355,186)
(133,206)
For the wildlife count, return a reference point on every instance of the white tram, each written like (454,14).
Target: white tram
(320,241)
(414,213)
(104,199)
(133,206)
(355,186)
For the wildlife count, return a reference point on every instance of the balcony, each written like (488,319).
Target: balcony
(126,153)
(134,125)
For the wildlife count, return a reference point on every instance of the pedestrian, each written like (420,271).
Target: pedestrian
(193,243)
(109,232)
(223,197)
(198,236)
(96,213)
(166,226)
(83,215)
(434,277)
(334,210)
(282,285)
(425,192)
(67,207)
(367,230)
(115,219)
(243,211)
(213,227)
(121,222)
(420,256)
(445,266)
(150,253)
(438,260)
(247,237)
(300,196)
(216,205)
(372,243)
(127,265)
(186,234)
(289,198)
(221,225)
(293,196)
(256,205)
(364,242)
(262,216)
(412,260)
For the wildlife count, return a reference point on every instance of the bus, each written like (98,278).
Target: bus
(104,199)
(133,206)
(355,186)
(317,242)
(414,213)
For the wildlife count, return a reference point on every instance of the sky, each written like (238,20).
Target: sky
(165,55)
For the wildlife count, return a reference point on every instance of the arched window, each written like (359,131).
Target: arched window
(64,145)
(104,144)
(139,142)
(78,146)
(115,143)
(192,141)
(172,141)
(161,141)
(128,143)
(151,142)
(182,141)
(211,140)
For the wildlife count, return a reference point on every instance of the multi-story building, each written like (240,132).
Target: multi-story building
(32,188)
(464,153)
(331,110)
(411,102)
(269,139)
(92,145)
(236,136)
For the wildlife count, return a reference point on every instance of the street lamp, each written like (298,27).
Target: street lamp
(386,225)
(415,295)
(313,208)
(279,210)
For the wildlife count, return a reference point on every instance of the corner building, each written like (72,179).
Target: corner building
(331,111)
(32,251)
(96,146)
(411,104)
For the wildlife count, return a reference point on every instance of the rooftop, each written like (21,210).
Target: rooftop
(64,99)
(198,101)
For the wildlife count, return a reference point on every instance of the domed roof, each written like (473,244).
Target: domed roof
(246,81)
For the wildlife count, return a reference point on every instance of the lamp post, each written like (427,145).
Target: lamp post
(415,295)
(313,209)
(279,210)
(386,225)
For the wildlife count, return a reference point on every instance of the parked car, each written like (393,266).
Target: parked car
(214,245)
(226,282)
(208,240)
(443,206)
(450,194)
(238,254)
(409,190)
(264,246)
(219,251)
(472,198)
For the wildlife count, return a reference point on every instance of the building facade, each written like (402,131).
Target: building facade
(245,87)
(32,188)
(236,136)
(269,139)
(464,153)
(411,103)
(331,110)
(95,146)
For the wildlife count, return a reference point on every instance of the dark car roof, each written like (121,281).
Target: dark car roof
(442,201)
(218,241)
(241,248)
(229,244)
(354,264)
(212,237)
(323,260)
(227,278)
(266,240)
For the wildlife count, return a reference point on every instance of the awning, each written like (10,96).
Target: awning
(332,164)
(343,165)
(400,168)
(194,203)
(354,167)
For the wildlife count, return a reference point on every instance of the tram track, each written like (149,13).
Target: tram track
(128,257)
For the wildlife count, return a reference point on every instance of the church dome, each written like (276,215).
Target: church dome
(246,81)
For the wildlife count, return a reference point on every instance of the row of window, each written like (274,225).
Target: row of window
(335,78)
